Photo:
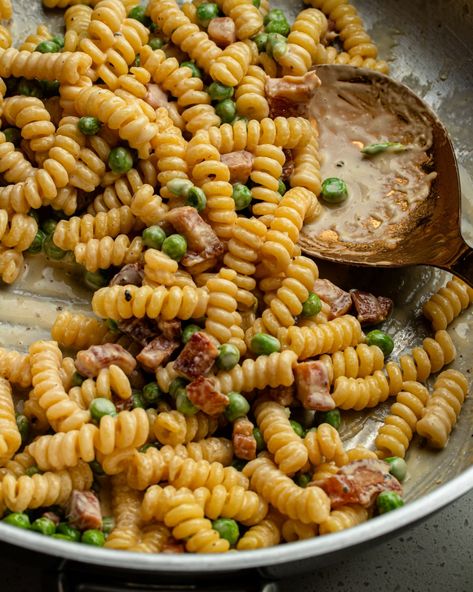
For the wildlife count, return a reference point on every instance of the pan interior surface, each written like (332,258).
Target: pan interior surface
(430,48)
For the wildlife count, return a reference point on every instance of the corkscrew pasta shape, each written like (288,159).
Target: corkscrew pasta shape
(10,439)
(447,303)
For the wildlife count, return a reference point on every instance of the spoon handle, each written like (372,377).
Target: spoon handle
(463,266)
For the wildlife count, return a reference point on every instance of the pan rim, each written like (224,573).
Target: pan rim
(289,552)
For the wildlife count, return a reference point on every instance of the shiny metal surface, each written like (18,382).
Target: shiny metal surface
(430,46)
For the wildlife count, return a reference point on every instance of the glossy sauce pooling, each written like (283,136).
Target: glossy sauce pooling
(384,190)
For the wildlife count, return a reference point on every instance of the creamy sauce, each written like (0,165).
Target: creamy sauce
(385,190)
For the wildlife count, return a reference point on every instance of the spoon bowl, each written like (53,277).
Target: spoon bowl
(432,235)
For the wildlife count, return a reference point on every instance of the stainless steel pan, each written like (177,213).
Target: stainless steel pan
(430,45)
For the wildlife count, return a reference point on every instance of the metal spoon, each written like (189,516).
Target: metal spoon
(435,238)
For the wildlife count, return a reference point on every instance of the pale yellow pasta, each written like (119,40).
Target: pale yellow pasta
(174,428)
(10,438)
(344,517)
(106,252)
(265,534)
(447,303)
(354,362)
(250,95)
(324,445)
(236,502)
(126,507)
(294,530)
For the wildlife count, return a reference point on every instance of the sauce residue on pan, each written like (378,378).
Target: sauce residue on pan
(385,190)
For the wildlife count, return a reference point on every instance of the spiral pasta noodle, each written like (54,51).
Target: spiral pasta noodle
(307,171)
(109,382)
(11,264)
(30,43)
(247,18)
(77,20)
(443,408)
(361,393)
(15,367)
(395,435)
(179,510)
(324,445)
(265,534)
(293,530)
(250,95)
(230,67)
(343,518)
(174,428)
(6,10)
(147,206)
(127,429)
(309,505)
(10,439)
(354,362)
(126,507)
(19,232)
(290,454)
(48,489)
(244,506)
(447,303)
(267,169)
(14,167)
(105,252)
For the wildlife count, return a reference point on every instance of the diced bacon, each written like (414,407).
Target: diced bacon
(284,395)
(360,482)
(203,393)
(52,516)
(90,361)
(288,167)
(131,274)
(122,404)
(156,97)
(370,309)
(240,164)
(222,31)
(84,510)
(197,357)
(290,95)
(170,329)
(339,301)
(171,546)
(198,262)
(140,330)
(204,246)
(156,353)
(244,442)
(312,383)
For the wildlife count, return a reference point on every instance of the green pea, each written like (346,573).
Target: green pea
(298,429)
(89,126)
(23,425)
(397,467)
(44,526)
(258,436)
(138,13)
(48,47)
(37,244)
(30,88)
(276,45)
(228,356)
(18,519)
(13,135)
(334,190)
(241,196)
(196,198)
(153,237)
(58,40)
(332,417)
(101,407)
(388,501)
(96,468)
(93,537)
(189,331)
(77,379)
(303,479)
(219,92)
(63,537)
(239,464)
(112,325)
(184,404)
(137,62)
(382,340)
(228,529)
(50,87)
(30,471)
(206,12)
(282,187)
(274,14)
(108,524)
(68,531)
(312,306)
(180,187)
(226,110)
(177,384)
(237,407)
(34,214)
(151,392)
(281,27)
(196,71)
(120,160)
(49,225)
(261,40)
(51,250)
(257,3)
(263,344)
(137,399)
(95,280)
(175,246)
